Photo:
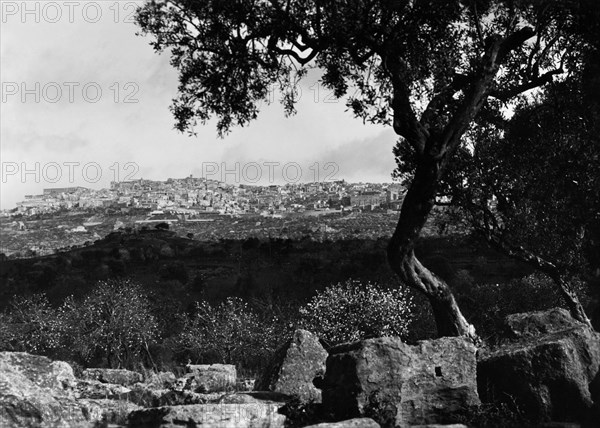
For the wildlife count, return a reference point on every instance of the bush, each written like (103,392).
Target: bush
(229,333)
(352,311)
(114,324)
(32,325)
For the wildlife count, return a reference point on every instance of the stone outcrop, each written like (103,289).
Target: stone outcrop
(547,365)
(206,378)
(294,366)
(115,376)
(38,392)
(252,415)
(160,380)
(350,423)
(398,384)
(35,391)
(97,390)
(105,411)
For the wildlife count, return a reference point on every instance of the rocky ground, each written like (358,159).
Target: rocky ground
(547,365)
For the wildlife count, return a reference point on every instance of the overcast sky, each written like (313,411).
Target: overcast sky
(57,129)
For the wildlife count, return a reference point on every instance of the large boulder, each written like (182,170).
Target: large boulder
(105,411)
(97,390)
(252,415)
(160,380)
(350,423)
(398,384)
(207,378)
(36,391)
(115,376)
(294,366)
(547,364)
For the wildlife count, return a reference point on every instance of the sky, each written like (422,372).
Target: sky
(85,101)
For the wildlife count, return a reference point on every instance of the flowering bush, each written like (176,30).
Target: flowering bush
(114,323)
(352,311)
(31,325)
(230,333)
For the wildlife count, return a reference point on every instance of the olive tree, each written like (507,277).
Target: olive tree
(423,67)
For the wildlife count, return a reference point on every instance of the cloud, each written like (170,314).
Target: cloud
(111,131)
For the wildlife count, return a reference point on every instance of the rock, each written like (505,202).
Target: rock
(350,423)
(160,380)
(253,397)
(400,384)
(40,370)
(245,384)
(104,411)
(176,398)
(439,426)
(546,365)
(35,391)
(97,390)
(144,396)
(535,324)
(210,415)
(116,376)
(294,367)
(206,378)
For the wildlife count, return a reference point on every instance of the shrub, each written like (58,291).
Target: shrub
(114,324)
(31,324)
(352,311)
(230,333)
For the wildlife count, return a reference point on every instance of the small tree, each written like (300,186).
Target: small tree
(231,333)
(115,322)
(31,324)
(352,311)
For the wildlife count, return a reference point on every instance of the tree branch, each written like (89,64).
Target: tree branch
(477,24)
(512,42)
(507,94)
(405,121)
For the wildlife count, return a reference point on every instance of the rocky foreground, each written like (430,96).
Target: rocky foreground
(548,366)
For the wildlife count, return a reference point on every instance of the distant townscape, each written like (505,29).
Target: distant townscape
(198,208)
(190,196)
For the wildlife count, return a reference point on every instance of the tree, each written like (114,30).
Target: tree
(531,185)
(231,333)
(115,322)
(534,190)
(423,67)
(31,324)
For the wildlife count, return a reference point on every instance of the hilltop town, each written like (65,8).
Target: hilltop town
(198,208)
(190,196)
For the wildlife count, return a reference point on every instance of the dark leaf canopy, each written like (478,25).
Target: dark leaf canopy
(231,53)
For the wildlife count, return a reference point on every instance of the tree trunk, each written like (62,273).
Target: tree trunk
(570,297)
(548,268)
(416,207)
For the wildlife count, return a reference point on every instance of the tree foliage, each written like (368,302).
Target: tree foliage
(531,184)
(231,53)
(114,323)
(230,332)
(32,325)
(353,311)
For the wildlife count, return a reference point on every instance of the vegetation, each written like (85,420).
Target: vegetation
(114,321)
(120,324)
(229,333)
(353,310)
(425,68)
(528,181)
